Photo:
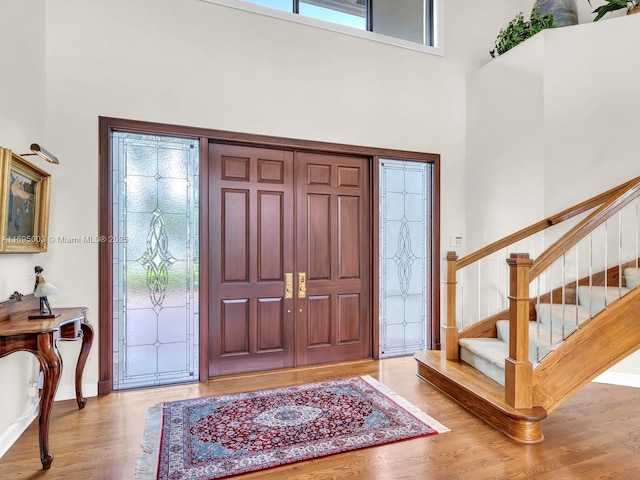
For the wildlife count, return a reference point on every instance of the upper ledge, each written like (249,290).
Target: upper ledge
(582,39)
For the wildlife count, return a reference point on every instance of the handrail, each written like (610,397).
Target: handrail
(588,225)
(544,224)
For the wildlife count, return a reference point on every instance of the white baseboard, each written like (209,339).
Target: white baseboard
(624,379)
(16,429)
(68,392)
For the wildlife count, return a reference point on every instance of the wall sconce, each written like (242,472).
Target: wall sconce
(41,152)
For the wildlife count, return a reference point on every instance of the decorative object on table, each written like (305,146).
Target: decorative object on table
(225,435)
(565,12)
(632,6)
(17,296)
(42,290)
(24,205)
(518,30)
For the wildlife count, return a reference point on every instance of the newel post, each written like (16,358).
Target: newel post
(518,373)
(449,331)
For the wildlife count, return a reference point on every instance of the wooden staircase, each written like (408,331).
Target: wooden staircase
(531,385)
(480,395)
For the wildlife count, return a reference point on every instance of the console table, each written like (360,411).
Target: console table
(40,337)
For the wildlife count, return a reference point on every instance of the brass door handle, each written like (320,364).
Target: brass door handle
(302,285)
(288,285)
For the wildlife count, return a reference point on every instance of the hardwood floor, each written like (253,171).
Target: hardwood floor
(594,435)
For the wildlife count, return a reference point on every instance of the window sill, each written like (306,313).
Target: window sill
(334,27)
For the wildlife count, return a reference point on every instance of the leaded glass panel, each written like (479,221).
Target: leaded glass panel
(155,271)
(405,236)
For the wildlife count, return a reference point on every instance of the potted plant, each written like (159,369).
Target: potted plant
(519,29)
(632,6)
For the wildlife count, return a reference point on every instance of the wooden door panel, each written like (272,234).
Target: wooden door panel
(270,326)
(235,242)
(235,167)
(348,224)
(235,326)
(271,172)
(318,174)
(349,177)
(319,237)
(251,244)
(348,319)
(333,322)
(319,320)
(270,241)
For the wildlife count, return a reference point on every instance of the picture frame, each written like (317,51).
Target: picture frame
(24,205)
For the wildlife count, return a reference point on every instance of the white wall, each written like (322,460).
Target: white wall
(22,110)
(550,124)
(505,145)
(590,110)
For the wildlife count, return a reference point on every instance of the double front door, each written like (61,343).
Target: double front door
(290,259)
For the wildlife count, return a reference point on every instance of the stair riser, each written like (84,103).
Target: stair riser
(519,429)
(494,372)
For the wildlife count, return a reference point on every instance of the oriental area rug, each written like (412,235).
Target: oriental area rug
(221,436)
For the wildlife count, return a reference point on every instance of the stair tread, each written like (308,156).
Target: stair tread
(596,298)
(495,350)
(476,383)
(555,322)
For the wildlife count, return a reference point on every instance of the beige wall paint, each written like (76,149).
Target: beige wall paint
(22,112)
(505,110)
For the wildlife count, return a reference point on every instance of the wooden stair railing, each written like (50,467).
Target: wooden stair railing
(536,392)
(609,208)
(519,387)
(610,201)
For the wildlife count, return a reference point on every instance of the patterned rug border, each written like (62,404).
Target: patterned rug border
(148,460)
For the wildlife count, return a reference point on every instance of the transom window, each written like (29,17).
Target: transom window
(408,20)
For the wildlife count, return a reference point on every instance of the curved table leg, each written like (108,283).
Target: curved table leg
(51,365)
(87,341)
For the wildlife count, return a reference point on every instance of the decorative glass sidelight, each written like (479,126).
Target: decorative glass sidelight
(405,263)
(155,265)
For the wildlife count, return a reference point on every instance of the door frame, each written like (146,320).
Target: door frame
(106,125)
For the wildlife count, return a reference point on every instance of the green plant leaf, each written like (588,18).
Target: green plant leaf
(611,6)
(518,30)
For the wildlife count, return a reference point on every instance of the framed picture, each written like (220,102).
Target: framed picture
(24,205)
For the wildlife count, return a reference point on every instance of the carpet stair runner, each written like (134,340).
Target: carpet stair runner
(555,323)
